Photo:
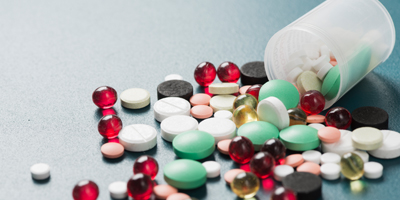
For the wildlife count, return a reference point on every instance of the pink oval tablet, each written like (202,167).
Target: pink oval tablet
(112,150)
(231,174)
(200,99)
(310,167)
(329,134)
(333,62)
(178,196)
(223,146)
(163,191)
(315,119)
(243,89)
(294,160)
(201,112)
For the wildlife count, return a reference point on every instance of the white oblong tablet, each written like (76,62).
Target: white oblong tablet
(344,145)
(312,156)
(330,158)
(316,125)
(292,76)
(223,114)
(281,171)
(367,138)
(219,128)
(118,190)
(222,102)
(324,70)
(363,155)
(391,146)
(170,106)
(373,170)
(175,125)
(135,98)
(138,137)
(272,110)
(330,171)
(291,64)
(213,169)
(173,77)
(223,88)
(40,171)
(319,63)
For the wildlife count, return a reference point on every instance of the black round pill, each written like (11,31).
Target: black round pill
(175,88)
(307,186)
(253,73)
(371,117)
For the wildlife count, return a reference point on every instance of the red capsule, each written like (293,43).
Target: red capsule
(109,126)
(338,117)
(228,72)
(205,73)
(146,165)
(312,102)
(241,149)
(85,190)
(262,164)
(104,97)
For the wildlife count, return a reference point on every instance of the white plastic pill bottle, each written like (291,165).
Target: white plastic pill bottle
(360,35)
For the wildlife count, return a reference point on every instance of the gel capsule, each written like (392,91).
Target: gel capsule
(205,73)
(245,185)
(254,90)
(245,99)
(241,150)
(352,166)
(140,186)
(244,114)
(146,165)
(297,116)
(85,190)
(104,97)
(338,117)
(312,102)
(262,164)
(109,126)
(228,72)
(275,148)
(282,193)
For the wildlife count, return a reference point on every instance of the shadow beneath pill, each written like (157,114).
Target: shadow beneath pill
(126,198)
(200,192)
(134,155)
(214,180)
(252,198)
(136,111)
(41,182)
(113,160)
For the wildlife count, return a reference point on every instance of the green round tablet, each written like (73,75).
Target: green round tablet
(299,138)
(331,84)
(258,132)
(194,145)
(281,89)
(185,174)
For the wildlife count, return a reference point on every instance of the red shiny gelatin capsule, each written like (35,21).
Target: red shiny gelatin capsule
(104,97)
(85,190)
(140,186)
(338,117)
(205,73)
(241,150)
(312,102)
(254,90)
(146,165)
(228,72)
(282,193)
(262,164)
(275,148)
(109,126)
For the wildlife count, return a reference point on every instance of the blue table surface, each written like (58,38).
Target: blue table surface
(53,54)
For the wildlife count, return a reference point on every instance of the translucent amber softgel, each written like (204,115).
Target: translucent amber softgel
(245,99)
(352,166)
(245,185)
(244,114)
(297,116)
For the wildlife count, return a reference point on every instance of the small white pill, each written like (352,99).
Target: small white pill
(222,102)
(292,76)
(293,64)
(213,169)
(344,145)
(391,146)
(272,110)
(223,88)
(281,171)
(312,50)
(40,171)
(319,63)
(308,63)
(173,77)
(316,125)
(118,190)
(325,51)
(373,170)
(298,54)
(312,156)
(219,128)
(175,125)
(223,114)
(170,106)
(330,171)
(135,98)
(330,158)
(138,137)
(363,155)
(324,70)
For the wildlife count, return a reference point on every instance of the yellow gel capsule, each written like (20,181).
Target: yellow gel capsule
(244,114)
(245,99)
(297,116)
(352,166)
(245,185)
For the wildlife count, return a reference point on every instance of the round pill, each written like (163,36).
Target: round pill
(193,145)
(299,138)
(274,111)
(312,156)
(112,150)
(223,88)
(223,114)
(316,126)
(175,125)
(223,146)
(213,169)
(330,158)
(373,170)
(118,190)
(258,132)
(178,196)
(243,89)
(281,171)
(185,174)
(219,128)
(391,146)
(135,98)
(310,167)
(307,81)
(200,99)
(344,145)
(369,116)
(294,160)
(324,70)
(231,174)
(367,138)
(315,119)
(363,155)
(201,112)
(173,77)
(281,89)
(294,74)
(138,137)
(40,171)
(330,171)
(164,191)
(329,134)
(307,186)
(253,73)
(222,102)
(175,88)
(170,106)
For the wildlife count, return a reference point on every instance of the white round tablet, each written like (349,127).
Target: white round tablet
(272,110)
(219,128)
(135,98)
(40,171)
(170,106)
(213,169)
(373,170)
(223,114)
(363,155)
(330,171)
(173,77)
(324,70)
(138,137)
(118,190)
(312,156)
(292,76)
(316,126)
(281,171)
(367,138)
(222,102)
(391,146)
(344,145)
(330,158)
(175,125)
(223,88)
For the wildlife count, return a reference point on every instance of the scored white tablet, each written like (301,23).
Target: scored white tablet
(175,125)
(391,146)
(344,145)
(138,137)
(170,106)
